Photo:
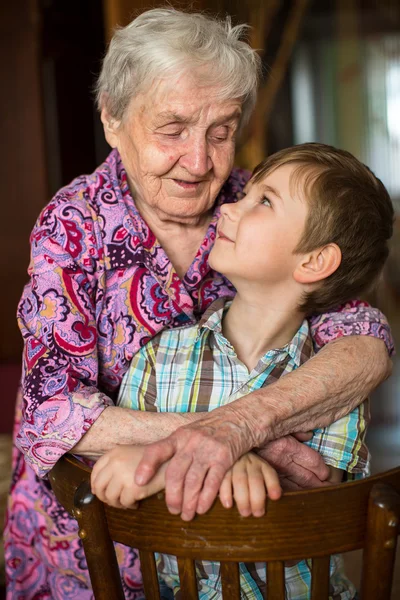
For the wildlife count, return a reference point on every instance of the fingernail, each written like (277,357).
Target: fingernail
(174,511)
(186,517)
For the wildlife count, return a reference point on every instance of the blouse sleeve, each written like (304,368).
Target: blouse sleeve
(57,318)
(354,318)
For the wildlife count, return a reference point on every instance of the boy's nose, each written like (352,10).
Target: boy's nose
(231,210)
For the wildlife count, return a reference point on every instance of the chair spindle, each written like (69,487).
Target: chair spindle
(187,577)
(275,580)
(149,574)
(381,541)
(320,578)
(230,580)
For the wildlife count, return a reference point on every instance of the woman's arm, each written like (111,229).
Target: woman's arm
(324,389)
(122,426)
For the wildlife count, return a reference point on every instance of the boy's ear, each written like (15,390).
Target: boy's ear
(110,124)
(318,264)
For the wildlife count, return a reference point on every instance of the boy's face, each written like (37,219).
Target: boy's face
(256,236)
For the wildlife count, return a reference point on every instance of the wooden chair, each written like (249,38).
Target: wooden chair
(313,523)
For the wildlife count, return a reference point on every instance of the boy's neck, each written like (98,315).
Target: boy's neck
(267,321)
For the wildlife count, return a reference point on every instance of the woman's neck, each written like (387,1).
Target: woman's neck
(180,239)
(264,322)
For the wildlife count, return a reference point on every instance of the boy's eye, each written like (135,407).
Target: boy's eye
(266,201)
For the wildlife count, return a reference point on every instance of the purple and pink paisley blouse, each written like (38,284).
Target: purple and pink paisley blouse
(100,287)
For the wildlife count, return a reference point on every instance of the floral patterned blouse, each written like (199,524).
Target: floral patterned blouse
(100,287)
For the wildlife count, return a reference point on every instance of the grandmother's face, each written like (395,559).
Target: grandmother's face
(177,144)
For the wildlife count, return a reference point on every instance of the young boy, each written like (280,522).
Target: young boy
(310,233)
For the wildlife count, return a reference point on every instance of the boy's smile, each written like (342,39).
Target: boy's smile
(257,235)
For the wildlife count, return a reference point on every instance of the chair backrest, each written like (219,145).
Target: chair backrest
(311,524)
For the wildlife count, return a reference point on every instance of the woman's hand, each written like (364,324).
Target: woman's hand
(248,483)
(201,453)
(113,477)
(299,466)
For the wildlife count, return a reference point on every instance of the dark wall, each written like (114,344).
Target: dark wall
(49,57)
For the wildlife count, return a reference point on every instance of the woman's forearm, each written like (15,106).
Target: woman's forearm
(118,425)
(323,390)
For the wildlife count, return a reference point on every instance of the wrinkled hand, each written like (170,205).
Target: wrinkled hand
(299,467)
(201,453)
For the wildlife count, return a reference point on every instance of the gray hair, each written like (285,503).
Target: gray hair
(164,41)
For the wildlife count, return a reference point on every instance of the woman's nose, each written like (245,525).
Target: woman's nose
(195,159)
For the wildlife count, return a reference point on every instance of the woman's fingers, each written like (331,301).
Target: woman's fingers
(211,485)
(154,456)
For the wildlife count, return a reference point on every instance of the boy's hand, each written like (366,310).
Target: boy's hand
(249,482)
(113,477)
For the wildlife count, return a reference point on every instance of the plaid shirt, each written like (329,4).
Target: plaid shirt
(195,369)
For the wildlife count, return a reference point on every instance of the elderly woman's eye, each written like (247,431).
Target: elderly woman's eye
(220,134)
(171,131)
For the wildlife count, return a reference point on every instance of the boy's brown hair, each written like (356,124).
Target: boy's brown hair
(348,206)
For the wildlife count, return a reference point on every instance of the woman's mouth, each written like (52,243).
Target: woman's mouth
(187,185)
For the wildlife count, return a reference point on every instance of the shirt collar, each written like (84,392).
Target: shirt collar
(300,347)
(212,317)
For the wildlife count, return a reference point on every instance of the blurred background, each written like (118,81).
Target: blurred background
(332,74)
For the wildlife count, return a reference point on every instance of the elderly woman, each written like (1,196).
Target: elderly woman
(121,254)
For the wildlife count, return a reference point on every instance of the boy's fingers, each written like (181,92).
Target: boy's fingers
(98,467)
(258,494)
(100,484)
(112,493)
(128,498)
(272,483)
(225,491)
(241,493)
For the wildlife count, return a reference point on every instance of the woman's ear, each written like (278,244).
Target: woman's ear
(318,264)
(110,124)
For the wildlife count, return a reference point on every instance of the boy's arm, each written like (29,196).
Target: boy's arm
(335,475)
(112,479)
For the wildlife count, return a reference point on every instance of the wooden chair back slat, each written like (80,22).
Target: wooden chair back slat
(230,580)
(187,578)
(275,580)
(149,573)
(97,543)
(336,519)
(381,541)
(320,578)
